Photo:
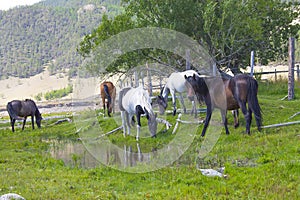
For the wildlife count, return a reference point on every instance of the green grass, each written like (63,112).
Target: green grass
(264,165)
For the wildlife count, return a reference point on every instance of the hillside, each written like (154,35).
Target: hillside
(48,32)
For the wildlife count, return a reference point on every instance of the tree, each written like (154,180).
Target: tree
(228,29)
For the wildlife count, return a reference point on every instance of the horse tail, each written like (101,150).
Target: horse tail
(106,91)
(12,112)
(253,101)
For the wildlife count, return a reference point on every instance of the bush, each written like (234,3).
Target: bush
(55,94)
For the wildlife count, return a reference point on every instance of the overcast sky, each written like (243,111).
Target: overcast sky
(6,4)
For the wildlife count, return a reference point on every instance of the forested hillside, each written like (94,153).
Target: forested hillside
(48,33)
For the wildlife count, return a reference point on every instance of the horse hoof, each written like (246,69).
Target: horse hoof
(153,136)
(174,112)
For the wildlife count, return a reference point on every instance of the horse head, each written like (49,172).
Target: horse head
(196,85)
(162,104)
(162,100)
(152,123)
(38,118)
(191,84)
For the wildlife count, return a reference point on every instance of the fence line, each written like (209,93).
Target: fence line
(275,72)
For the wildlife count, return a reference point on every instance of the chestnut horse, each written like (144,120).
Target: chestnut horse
(108,92)
(239,90)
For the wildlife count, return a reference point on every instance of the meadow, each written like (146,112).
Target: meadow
(263,165)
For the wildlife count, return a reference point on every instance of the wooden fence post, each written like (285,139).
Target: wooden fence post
(291,93)
(298,73)
(252,63)
(136,78)
(149,80)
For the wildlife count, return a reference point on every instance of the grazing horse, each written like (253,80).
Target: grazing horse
(19,110)
(176,83)
(136,101)
(108,91)
(239,90)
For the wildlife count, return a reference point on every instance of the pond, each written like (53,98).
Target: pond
(74,154)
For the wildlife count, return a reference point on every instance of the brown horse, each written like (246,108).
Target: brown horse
(227,94)
(108,92)
(18,110)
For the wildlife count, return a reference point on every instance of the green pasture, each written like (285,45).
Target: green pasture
(263,165)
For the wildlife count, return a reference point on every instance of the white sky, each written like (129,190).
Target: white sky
(6,4)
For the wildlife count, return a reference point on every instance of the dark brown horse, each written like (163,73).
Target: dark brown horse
(19,110)
(227,94)
(108,92)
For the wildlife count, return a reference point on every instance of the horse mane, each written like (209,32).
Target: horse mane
(37,112)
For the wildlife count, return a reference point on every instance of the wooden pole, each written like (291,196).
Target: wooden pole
(149,80)
(136,79)
(298,73)
(291,80)
(252,63)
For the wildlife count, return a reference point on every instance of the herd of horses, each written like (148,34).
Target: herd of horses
(225,93)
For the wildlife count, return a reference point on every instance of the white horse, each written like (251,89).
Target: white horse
(176,83)
(136,101)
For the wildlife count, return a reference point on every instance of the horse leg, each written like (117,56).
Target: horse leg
(12,122)
(246,115)
(224,119)
(182,103)
(208,114)
(32,121)
(103,102)
(128,117)
(194,106)
(113,105)
(123,122)
(173,101)
(24,122)
(138,112)
(107,106)
(235,114)
(250,120)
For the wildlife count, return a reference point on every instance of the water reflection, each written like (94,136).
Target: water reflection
(74,154)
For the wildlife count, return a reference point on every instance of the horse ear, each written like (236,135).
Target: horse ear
(185,76)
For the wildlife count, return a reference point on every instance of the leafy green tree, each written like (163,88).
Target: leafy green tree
(228,29)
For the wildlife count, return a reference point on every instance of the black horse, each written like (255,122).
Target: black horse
(228,94)
(19,110)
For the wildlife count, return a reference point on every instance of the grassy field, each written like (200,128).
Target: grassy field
(264,165)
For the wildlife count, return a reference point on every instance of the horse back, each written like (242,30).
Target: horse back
(22,108)
(110,86)
(122,93)
(176,82)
